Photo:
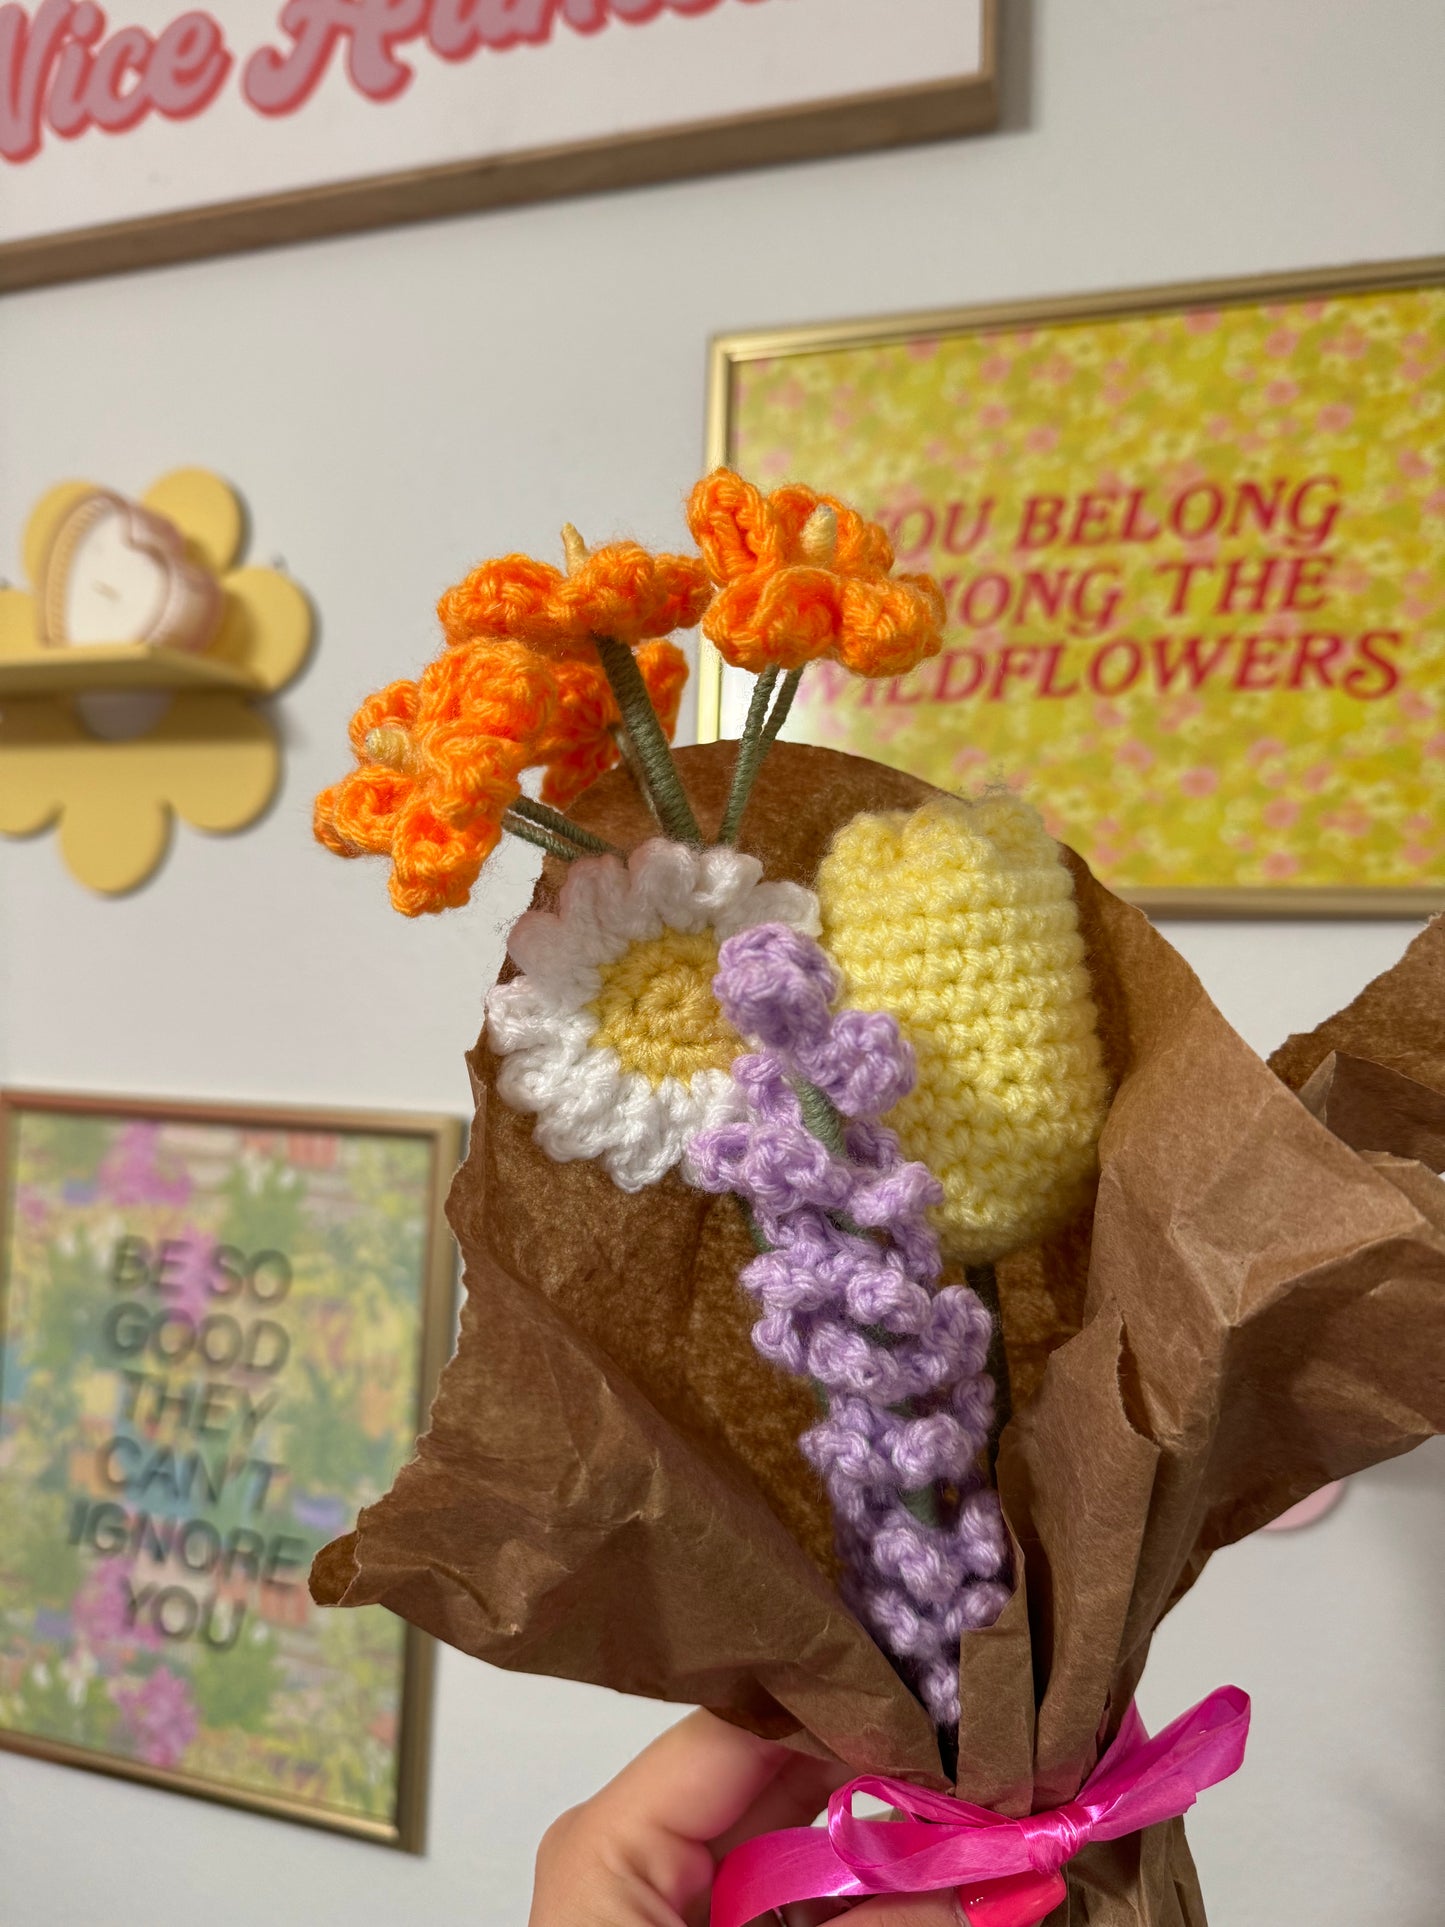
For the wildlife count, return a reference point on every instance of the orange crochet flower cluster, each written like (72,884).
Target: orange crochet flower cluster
(439,762)
(621,590)
(555,669)
(520,686)
(800,576)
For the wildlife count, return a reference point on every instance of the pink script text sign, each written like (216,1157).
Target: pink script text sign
(110,117)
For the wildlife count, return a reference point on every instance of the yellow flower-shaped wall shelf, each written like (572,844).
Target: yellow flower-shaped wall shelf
(129,674)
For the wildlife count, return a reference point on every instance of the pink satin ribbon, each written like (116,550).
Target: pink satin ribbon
(1008,1869)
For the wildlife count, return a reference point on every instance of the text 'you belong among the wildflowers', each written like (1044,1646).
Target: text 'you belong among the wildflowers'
(1121,589)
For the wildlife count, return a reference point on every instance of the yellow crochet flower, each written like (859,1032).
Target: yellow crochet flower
(960,920)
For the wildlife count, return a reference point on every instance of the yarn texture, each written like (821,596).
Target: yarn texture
(800,575)
(439,762)
(579,744)
(960,921)
(620,590)
(611,1034)
(847,1297)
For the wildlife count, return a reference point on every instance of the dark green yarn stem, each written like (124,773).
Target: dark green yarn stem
(520,826)
(755,1232)
(778,714)
(983,1283)
(626,749)
(820,1114)
(662,785)
(562,827)
(750,754)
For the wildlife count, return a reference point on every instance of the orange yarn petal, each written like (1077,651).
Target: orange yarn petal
(864,548)
(664,671)
(500,689)
(622,591)
(473,778)
(577,770)
(357,816)
(788,618)
(394,704)
(625,592)
(729,521)
(508,598)
(434,864)
(888,628)
(785,599)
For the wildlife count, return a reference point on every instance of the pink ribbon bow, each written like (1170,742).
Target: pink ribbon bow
(1009,1869)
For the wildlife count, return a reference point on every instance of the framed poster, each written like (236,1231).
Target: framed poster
(175,132)
(221,1332)
(1192,541)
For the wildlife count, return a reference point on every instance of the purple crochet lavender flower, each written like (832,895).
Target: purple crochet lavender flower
(846,1296)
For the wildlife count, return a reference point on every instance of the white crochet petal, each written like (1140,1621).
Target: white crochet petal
(648,1144)
(542,1024)
(664,877)
(726,877)
(549,954)
(772,903)
(593,908)
(572,1095)
(518,1013)
(553,966)
(717,1099)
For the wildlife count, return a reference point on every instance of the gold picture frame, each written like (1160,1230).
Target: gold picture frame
(419,1180)
(803,350)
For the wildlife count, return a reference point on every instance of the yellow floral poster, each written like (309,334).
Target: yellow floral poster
(1194,562)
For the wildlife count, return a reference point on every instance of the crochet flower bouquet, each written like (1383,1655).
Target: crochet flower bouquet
(888,1277)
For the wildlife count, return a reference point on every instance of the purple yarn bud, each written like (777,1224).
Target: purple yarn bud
(775,984)
(845,1297)
(865,1065)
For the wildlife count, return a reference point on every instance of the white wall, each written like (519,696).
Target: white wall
(395,406)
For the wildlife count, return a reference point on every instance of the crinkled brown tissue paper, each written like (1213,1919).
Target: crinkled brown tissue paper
(611,1491)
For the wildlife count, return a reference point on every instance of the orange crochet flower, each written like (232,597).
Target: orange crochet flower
(802,576)
(439,762)
(622,591)
(578,745)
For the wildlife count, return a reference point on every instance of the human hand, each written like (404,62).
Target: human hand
(642,1852)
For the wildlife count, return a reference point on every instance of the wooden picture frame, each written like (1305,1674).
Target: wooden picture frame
(797,404)
(116,1220)
(672,146)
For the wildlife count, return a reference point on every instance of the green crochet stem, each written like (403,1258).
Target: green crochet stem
(661,785)
(545,839)
(778,715)
(759,734)
(751,745)
(820,1114)
(546,818)
(630,757)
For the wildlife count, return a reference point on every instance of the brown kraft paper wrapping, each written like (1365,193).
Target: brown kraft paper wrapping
(610,1488)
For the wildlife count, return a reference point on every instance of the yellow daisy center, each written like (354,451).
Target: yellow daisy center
(657,1011)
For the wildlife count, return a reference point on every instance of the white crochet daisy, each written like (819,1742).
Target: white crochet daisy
(611,1034)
